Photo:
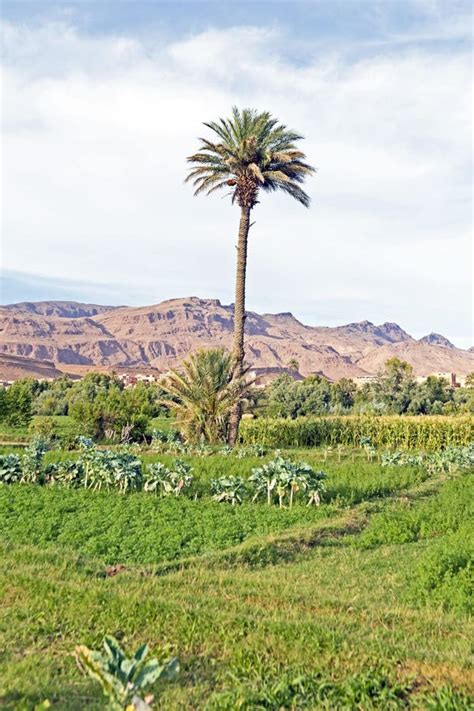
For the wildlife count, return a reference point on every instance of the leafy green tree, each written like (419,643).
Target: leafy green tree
(17,405)
(343,393)
(202,394)
(396,385)
(470,380)
(463,401)
(250,153)
(53,398)
(3,404)
(290,398)
(430,397)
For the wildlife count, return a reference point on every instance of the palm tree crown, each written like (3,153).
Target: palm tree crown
(203,394)
(252,152)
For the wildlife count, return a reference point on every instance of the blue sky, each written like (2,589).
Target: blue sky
(102,101)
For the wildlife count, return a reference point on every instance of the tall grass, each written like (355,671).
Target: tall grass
(400,432)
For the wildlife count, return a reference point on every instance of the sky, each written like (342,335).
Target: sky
(103,100)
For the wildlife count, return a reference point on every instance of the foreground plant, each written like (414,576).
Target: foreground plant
(250,152)
(123,679)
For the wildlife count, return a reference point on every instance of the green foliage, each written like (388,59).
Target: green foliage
(16,403)
(441,514)
(107,469)
(202,394)
(25,469)
(32,461)
(286,478)
(138,528)
(445,573)
(372,690)
(123,679)
(160,479)
(290,398)
(447,460)
(394,388)
(395,391)
(100,405)
(428,433)
(230,489)
(10,469)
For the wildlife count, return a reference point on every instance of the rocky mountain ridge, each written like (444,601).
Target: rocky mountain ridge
(89,336)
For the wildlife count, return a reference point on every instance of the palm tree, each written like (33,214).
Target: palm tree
(203,394)
(250,152)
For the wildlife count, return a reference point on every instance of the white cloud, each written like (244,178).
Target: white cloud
(96,131)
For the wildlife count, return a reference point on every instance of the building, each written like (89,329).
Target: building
(450,379)
(364,380)
(262,377)
(129,380)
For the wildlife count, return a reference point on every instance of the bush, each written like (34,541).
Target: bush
(429,433)
(16,403)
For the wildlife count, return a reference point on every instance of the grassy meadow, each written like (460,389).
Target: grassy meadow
(364,602)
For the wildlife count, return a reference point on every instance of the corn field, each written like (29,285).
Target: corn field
(400,432)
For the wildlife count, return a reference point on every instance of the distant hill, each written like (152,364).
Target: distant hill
(15,367)
(436,339)
(64,309)
(83,337)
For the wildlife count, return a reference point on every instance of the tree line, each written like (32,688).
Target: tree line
(395,391)
(202,394)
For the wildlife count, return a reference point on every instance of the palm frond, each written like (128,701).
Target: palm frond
(256,152)
(203,393)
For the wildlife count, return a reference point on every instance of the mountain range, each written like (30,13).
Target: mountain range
(74,337)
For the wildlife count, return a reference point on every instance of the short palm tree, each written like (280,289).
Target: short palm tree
(203,394)
(250,152)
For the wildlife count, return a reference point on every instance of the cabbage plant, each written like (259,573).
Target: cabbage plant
(286,478)
(32,461)
(164,481)
(230,489)
(10,469)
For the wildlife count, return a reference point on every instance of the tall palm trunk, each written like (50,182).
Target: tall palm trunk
(239,316)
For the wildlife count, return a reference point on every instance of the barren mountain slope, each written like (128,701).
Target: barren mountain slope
(161,335)
(358,339)
(436,339)
(15,368)
(61,340)
(64,309)
(168,331)
(424,358)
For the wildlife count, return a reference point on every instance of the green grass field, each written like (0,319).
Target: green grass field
(362,603)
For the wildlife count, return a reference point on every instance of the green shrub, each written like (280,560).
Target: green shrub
(429,433)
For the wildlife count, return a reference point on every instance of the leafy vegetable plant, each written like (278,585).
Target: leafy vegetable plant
(122,678)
